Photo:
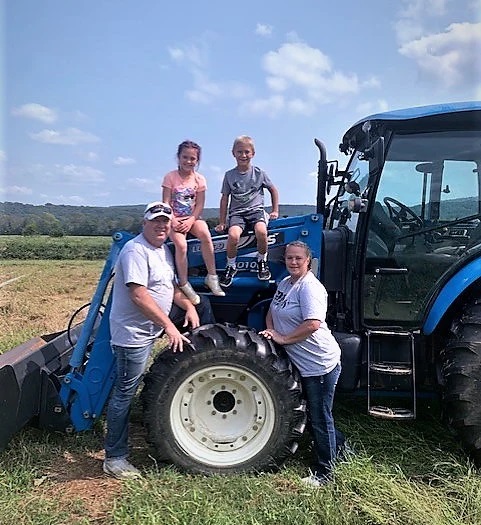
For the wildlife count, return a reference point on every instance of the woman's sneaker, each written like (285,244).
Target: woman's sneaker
(212,282)
(263,272)
(189,292)
(226,279)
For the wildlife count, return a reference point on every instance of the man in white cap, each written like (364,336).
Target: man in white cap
(146,302)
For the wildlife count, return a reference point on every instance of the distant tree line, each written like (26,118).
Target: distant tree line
(58,220)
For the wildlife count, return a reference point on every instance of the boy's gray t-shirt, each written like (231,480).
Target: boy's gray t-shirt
(294,303)
(245,189)
(140,263)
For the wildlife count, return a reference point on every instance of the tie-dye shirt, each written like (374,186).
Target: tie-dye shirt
(184,191)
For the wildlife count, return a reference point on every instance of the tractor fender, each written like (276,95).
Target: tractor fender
(456,285)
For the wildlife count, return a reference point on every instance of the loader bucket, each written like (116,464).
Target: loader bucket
(30,378)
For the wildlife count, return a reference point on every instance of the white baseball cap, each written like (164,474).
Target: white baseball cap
(157,209)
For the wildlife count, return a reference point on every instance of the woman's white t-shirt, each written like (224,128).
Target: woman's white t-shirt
(292,305)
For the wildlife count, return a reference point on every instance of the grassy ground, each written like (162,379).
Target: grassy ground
(402,473)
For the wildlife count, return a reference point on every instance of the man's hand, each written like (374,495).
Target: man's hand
(221,227)
(274,215)
(176,339)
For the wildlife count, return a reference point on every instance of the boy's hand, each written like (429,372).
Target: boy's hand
(221,227)
(274,215)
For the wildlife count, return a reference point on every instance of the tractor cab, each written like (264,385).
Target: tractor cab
(414,209)
(410,200)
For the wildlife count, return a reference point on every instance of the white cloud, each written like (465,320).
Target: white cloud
(204,90)
(3,156)
(369,108)
(413,14)
(36,112)
(270,106)
(194,55)
(80,174)
(449,59)
(143,184)
(263,30)
(124,161)
(300,78)
(91,156)
(70,199)
(17,190)
(69,136)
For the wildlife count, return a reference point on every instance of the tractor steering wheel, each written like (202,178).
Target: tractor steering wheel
(404,216)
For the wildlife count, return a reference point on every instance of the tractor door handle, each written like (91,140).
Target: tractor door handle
(391,271)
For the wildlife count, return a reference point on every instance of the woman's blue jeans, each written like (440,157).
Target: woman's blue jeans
(319,392)
(130,367)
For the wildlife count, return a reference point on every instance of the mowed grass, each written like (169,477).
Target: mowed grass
(402,473)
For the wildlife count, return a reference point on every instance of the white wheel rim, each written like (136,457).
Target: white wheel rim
(222,415)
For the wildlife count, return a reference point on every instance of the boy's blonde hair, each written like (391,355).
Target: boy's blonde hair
(244,139)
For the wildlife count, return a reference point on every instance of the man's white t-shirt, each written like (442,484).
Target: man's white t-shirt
(292,305)
(140,263)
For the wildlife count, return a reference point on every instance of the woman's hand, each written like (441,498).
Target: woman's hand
(270,333)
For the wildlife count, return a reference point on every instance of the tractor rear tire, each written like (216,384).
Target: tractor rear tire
(461,371)
(229,403)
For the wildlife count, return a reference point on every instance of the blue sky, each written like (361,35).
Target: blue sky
(99,93)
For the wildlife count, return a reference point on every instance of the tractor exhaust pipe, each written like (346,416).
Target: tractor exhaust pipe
(321,178)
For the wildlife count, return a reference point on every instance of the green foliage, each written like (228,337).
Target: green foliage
(401,474)
(49,219)
(54,247)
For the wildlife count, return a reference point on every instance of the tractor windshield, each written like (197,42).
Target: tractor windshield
(422,221)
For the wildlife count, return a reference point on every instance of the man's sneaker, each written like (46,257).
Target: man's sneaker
(120,468)
(189,292)
(212,282)
(263,272)
(226,279)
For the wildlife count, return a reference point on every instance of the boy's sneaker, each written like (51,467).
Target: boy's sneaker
(226,279)
(212,282)
(120,468)
(263,272)
(189,292)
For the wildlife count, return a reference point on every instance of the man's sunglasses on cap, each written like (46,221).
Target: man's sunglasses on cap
(160,208)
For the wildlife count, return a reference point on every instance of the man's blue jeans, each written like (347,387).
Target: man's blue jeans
(319,392)
(130,366)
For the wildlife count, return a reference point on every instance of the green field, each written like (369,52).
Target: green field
(402,473)
(44,247)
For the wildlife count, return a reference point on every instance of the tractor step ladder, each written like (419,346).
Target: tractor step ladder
(402,368)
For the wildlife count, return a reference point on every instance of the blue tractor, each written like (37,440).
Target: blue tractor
(396,240)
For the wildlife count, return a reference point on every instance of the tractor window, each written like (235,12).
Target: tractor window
(423,219)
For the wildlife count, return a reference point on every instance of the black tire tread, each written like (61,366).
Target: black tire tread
(461,370)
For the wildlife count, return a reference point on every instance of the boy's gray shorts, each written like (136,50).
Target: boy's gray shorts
(248,219)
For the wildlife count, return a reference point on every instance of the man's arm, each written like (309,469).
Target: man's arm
(141,297)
